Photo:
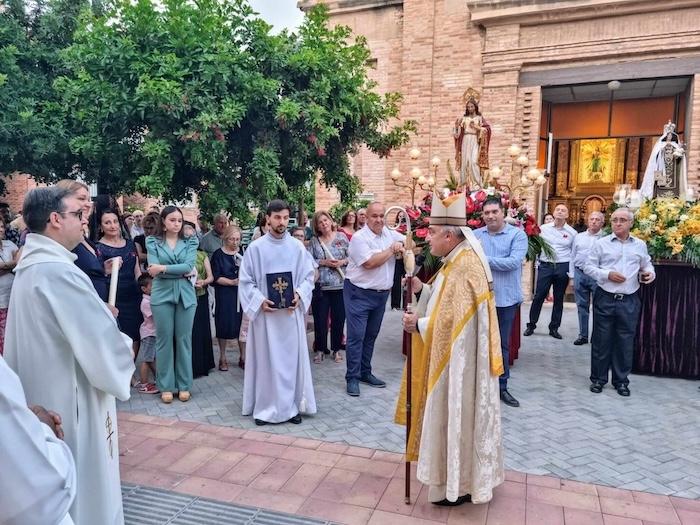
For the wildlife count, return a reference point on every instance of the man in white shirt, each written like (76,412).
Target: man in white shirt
(361,218)
(618,262)
(137,228)
(553,272)
(584,285)
(368,280)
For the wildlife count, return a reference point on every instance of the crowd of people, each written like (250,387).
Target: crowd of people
(155,334)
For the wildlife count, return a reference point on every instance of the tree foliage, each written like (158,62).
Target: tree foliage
(178,97)
(31,39)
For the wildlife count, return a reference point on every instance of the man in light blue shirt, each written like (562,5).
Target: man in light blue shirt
(619,263)
(505,247)
(584,285)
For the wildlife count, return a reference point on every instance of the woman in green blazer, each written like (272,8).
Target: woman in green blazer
(171,259)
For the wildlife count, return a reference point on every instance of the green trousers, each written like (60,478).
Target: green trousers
(173,346)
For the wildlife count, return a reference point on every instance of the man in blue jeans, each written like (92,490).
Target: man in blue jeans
(368,280)
(584,285)
(505,247)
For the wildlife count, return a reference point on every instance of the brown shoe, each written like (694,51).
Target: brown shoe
(166,397)
(184,396)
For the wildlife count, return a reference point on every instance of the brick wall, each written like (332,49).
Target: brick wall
(438,51)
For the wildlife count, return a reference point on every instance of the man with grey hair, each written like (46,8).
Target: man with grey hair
(137,228)
(455,430)
(618,262)
(584,285)
(211,241)
(66,348)
(361,218)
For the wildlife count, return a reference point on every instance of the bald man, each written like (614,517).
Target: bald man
(368,281)
(584,285)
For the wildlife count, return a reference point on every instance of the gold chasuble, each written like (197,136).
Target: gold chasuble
(456,418)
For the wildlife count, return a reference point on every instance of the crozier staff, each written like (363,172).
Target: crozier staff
(456,419)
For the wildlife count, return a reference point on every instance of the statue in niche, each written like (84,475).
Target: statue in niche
(472,135)
(666,174)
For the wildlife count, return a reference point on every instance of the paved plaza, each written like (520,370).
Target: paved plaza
(648,442)
(185,473)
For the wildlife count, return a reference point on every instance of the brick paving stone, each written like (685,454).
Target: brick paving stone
(648,442)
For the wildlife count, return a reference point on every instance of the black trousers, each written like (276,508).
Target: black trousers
(555,275)
(325,301)
(397,289)
(615,319)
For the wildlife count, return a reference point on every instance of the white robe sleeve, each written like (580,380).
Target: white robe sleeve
(250,295)
(422,310)
(37,472)
(102,351)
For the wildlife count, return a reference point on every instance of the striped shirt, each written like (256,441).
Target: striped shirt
(505,252)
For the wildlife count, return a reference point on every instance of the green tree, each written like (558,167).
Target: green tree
(32,35)
(181,97)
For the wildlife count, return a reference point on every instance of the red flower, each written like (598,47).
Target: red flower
(426,220)
(475,223)
(480,196)
(321,152)
(413,213)
(470,206)
(422,233)
(531,228)
(401,229)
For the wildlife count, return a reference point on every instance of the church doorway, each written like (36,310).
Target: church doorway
(603,134)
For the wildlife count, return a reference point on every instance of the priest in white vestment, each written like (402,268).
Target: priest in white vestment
(66,348)
(277,386)
(37,472)
(456,420)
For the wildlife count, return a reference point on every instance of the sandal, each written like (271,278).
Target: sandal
(337,356)
(148,388)
(318,358)
(223,367)
(241,364)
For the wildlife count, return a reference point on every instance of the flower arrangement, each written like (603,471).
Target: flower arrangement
(516,214)
(671,229)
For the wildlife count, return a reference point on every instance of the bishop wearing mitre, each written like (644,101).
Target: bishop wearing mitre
(455,421)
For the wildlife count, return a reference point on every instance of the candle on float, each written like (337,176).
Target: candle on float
(549,153)
(113,280)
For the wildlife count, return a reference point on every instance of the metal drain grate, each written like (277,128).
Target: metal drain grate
(149,506)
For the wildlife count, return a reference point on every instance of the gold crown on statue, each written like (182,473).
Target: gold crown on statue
(450,211)
(471,95)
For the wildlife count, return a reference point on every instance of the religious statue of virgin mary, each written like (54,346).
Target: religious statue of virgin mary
(667,172)
(472,135)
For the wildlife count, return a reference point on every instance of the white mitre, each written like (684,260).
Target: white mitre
(452,211)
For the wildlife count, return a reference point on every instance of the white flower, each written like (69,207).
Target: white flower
(683,217)
(653,217)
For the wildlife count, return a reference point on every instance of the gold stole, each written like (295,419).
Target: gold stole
(431,356)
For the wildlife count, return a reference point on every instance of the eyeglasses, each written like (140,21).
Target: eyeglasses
(78,214)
